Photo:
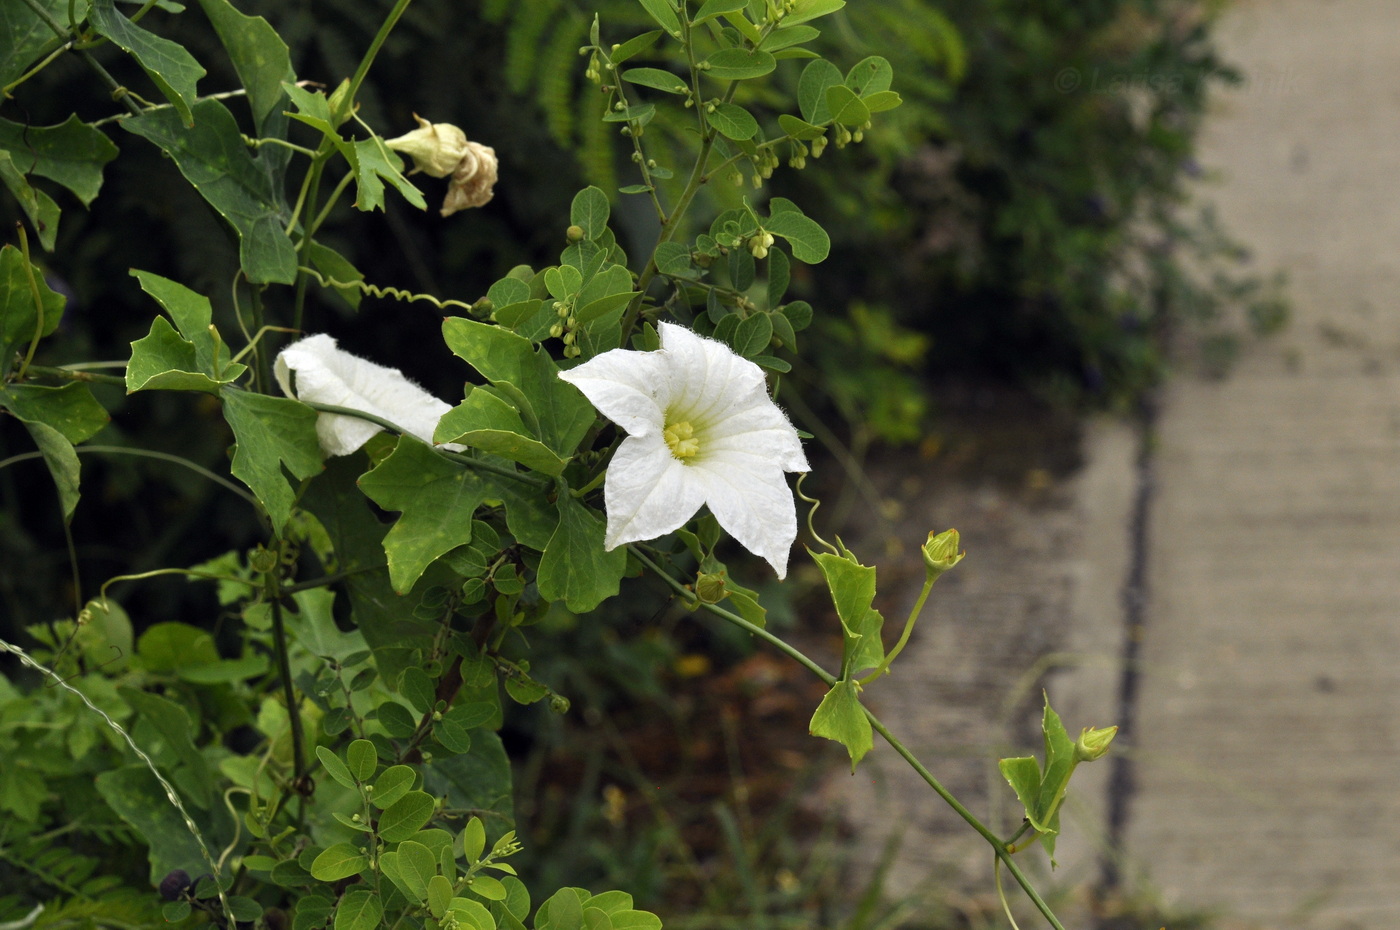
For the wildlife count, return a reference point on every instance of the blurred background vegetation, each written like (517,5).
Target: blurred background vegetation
(1024,220)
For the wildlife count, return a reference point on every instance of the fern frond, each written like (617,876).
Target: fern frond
(555,82)
(523,42)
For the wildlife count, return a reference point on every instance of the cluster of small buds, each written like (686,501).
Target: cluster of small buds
(763,164)
(799,156)
(566,329)
(591,72)
(760,243)
(778,9)
(818,146)
(844,135)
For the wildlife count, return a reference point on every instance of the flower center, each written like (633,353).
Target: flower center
(680,438)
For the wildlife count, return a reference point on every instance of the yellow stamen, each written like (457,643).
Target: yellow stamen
(680,439)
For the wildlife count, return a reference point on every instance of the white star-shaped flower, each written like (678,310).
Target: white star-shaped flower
(701,429)
(326,374)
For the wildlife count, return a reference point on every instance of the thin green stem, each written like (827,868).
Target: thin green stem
(997,846)
(797,655)
(35,296)
(884,667)
(256,143)
(307,198)
(380,37)
(262,364)
(143,453)
(330,203)
(284,671)
(75,373)
(472,463)
(322,582)
(48,59)
(159,572)
(791,651)
(118,91)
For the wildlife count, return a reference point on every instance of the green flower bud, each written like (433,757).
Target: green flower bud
(484,305)
(941,553)
(574,233)
(559,704)
(709,587)
(1093,743)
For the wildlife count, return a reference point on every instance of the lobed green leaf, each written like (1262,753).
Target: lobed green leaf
(173,69)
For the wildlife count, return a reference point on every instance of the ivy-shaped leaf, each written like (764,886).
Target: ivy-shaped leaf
(214,159)
(840,717)
(852,591)
(271,432)
(259,56)
(555,412)
(43,213)
(488,422)
(167,63)
(575,569)
(374,163)
(193,315)
(23,34)
(62,462)
(71,153)
(436,499)
(70,409)
(19,315)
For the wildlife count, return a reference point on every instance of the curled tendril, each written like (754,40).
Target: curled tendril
(375,290)
(811,513)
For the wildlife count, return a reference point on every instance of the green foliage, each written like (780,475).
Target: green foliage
(317,738)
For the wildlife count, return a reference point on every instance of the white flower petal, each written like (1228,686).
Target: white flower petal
(630,388)
(752,502)
(707,379)
(648,492)
(325,374)
(745,443)
(763,428)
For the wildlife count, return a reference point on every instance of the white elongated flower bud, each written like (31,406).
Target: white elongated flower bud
(436,148)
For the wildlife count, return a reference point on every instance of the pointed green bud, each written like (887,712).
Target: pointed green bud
(941,553)
(1093,743)
(342,106)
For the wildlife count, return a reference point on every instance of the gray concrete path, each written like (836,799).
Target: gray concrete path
(1266,757)
(1268,739)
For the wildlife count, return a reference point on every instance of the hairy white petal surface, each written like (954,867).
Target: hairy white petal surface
(745,443)
(314,369)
